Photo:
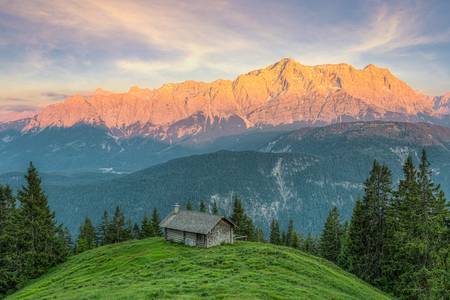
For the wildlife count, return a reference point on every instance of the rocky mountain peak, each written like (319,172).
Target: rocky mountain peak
(282,93)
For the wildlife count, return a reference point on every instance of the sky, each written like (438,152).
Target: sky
(52,49)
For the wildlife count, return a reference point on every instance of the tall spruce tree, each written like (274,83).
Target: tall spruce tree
(104,230)
(357,240)
(136,232)
(290,234)
(244,224)
(215,208)
(154,223)
(259,235)
(9,251)
(87,238)
(417,245)
(343,259)
(37,229)
(275,235)
(330,241)
(202,206)
(117,227)
(376,200)
(63,244)
(310,245)
(189,205)
(146,228)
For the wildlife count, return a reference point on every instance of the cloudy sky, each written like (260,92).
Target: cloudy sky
(50,49)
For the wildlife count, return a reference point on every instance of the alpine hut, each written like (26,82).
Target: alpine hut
(197,228)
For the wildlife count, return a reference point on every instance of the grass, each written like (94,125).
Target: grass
(154,269)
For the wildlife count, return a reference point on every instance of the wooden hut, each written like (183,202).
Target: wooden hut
(197,229)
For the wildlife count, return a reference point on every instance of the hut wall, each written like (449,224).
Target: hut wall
(221,233)
(174,235)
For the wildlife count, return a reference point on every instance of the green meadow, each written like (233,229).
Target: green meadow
(155,269)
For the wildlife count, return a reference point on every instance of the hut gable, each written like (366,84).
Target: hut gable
(197,228)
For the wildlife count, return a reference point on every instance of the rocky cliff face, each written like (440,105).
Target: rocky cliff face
(286,92)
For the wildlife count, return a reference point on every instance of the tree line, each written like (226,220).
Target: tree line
(115,230)
(31,241)
(398,239)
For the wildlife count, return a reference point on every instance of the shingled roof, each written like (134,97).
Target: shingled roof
(192,221)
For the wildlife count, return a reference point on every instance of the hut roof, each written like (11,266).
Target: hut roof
(192,221)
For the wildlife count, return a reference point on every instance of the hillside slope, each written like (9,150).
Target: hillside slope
(152,268)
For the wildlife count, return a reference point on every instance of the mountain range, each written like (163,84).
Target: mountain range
(125,132)
(291,140)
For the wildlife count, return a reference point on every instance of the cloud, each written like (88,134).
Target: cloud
(80,45)
(19,108)
(395,28)
(54,96)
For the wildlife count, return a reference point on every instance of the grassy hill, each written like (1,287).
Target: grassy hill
(152,268)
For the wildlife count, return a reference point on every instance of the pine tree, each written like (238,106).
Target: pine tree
(290,234)
(259,235)
(128,230)
(343,259)
(310,245)
(87,238)
(9,252)
(238,214)
(146,228)
(417,255)
(330,242)
(37,228)
(135,233)
(63,244)
(117,227)
(275,236)
(357,240)
(202,206)
(296,241)
(104,230)
(154,223)
(377,198)
(189,205)
(215,208)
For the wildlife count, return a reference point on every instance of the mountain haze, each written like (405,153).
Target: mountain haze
(298,175)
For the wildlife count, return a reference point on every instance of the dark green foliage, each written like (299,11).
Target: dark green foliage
(311,245)
(202,206)
(9,227)
(343,258)
(104,230)
(135,233)
(275,236)
(87,238)
(118,231)
(416,262)
(330,241)
(189,205)
(369,227)
(38,231)
(244,224)
(146,228)
(154,223)
(398,240)
(215,208)
(30,240)
(150,228)
(259,235)
(290,234)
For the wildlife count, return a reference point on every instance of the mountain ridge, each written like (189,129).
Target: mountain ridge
(286,92)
